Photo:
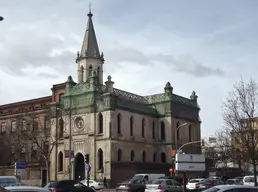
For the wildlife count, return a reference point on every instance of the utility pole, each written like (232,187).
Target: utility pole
(70,144)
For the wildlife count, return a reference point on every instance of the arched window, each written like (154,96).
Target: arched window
(118,124)
(163,157)
(190,133)
(90,70)
(132,155)
(100,159)
(162,131)
(154,157)
(143,156)
(177,131)
(143,128)
(100,122)
(61,128)
(60,161)
(131,126)
(153,129)
(119,155)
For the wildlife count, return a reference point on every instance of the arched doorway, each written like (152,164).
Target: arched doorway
(79,167)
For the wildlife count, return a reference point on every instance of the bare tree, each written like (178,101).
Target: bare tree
(239,112)
(224,147)
(35,129)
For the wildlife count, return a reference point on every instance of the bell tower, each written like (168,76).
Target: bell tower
(90,59)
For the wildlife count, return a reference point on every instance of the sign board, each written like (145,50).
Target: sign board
(190,166)
(20,165)
(172,153)
(190,162)
(87,167)
(67,154)
(200,158)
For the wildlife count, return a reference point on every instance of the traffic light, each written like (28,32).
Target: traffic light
(87,158)
(203,143)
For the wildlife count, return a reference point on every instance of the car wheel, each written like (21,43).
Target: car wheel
(93,188)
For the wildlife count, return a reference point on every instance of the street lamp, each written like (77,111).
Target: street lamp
(1,18)
(184,124)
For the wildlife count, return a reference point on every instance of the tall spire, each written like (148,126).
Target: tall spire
(90,46)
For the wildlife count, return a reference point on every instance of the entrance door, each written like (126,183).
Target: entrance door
(44,178)
(79,167)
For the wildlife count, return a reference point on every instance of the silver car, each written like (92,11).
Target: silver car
(232,188)
(25,188)
(160,185)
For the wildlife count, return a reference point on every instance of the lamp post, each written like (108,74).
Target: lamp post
(184,124)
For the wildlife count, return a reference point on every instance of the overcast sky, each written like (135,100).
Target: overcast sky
(198,45)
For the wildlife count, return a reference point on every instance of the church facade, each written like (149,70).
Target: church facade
(123,133)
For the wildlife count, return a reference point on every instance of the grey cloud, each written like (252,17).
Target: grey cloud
(187,64)
(22,49)
(127,54)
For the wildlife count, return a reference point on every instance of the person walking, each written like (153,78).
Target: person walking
(105,182)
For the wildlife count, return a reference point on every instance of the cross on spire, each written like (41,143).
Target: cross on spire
(90,14)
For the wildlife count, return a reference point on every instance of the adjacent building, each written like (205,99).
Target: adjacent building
(123,133)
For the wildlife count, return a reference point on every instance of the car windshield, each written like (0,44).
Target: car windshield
(158,181)
(4,182)
(206,181)
(194,181)
(230,181)
(51,184)
(138,177)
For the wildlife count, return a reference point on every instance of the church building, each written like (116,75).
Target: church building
(121,132)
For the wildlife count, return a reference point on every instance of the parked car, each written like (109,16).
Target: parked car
(249,180)
(233,188)
(94,184)
(193,184)
(69,186)
(161,185)
(208,183)
(51,185)
(233,182)
(179,179)
(6,181)
(131,185)
(25,188)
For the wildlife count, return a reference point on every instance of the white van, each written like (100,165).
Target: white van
(148,176)
(249,180)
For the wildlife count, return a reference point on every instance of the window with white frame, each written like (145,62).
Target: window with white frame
(13,126)
(3,127)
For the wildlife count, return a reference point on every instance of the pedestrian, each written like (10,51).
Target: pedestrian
(105,182)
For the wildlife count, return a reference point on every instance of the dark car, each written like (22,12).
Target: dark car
(69,186)
(208,183)
(131,185)
(51,185)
